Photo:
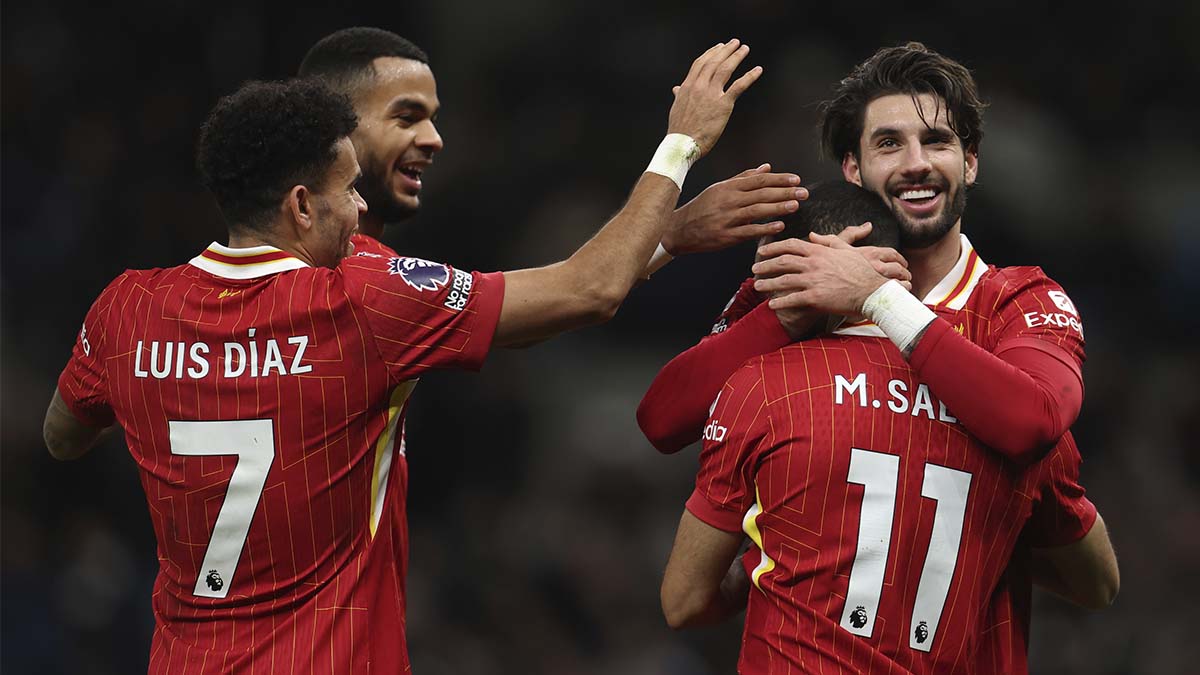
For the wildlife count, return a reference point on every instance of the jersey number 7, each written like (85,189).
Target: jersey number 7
(253,441)
(878,473)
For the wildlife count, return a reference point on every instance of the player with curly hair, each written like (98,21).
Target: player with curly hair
(261,385)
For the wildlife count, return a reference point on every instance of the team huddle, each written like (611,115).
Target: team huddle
(886,465)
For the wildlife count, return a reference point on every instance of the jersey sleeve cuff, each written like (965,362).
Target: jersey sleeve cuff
(489,288)
(1071,528)
(98,417)
(712,514)
(929,341)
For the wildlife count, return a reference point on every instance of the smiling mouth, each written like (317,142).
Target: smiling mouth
(918,196)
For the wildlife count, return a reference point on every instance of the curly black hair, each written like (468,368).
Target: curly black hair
(343,59)
(911,69)
(265,138)
(834,205)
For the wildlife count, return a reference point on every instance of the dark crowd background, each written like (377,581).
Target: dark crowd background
(541,518)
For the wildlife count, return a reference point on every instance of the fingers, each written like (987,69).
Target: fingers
(743,83)
(783,265)
(755,231)
(701,61)
(882,254)
(788,283)
(793,246)
(761,168)
(763,211)
(893,271)
(758,181)
(830,240)
(725,68)
(797,300)
(715,59)
(855,232)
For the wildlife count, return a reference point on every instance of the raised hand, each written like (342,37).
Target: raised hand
(724,214)
(702,103)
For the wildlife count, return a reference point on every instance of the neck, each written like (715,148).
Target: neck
(243,238)
(371,226)
(930,264)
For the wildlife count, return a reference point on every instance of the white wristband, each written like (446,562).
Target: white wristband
(660,258)
(898,313)
(675,155)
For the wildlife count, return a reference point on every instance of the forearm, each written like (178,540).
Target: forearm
(1084,573)
(605,268)
(673,411)
(1018,402)
(588,287)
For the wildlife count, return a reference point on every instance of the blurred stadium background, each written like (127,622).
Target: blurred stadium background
(540,517)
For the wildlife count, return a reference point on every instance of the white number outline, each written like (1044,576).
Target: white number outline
(253,441)
(878,473)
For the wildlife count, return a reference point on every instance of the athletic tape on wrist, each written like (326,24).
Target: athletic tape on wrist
(660,258)
(898,313)
(675,155)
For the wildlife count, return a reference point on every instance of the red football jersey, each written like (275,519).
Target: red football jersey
(1062,514)
(999,308)
(261,400)
(881,527)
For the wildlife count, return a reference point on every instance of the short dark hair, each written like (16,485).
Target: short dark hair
(911,69)
(834,205)
(265,138)
(343,59)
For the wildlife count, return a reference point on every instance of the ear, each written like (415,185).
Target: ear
(299,207)
(850,170)
(971,160)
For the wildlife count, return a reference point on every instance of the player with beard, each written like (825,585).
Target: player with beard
(829,455)
(261,384)
(394,91)
(907,125)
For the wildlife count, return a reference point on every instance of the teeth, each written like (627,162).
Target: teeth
(917,194)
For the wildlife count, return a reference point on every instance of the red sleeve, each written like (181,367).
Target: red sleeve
(673,411)
(736,429)
(425,315)
(1018,402)
(1062,513)
(1033,310)
(741,304)
(83,384)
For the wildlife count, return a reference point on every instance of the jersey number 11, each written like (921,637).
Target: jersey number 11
(878,473)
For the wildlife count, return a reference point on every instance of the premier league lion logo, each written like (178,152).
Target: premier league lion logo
(214,580)
(858,618)
(422,275)
(922,633)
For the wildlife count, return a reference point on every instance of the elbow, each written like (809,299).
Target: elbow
(683,609)
(1026,442)
(58,447)
(1105,592)
(649,421)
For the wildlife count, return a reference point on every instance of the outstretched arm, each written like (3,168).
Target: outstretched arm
(588,287)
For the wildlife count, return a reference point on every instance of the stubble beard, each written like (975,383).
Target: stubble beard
(376,189)
(916,235)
